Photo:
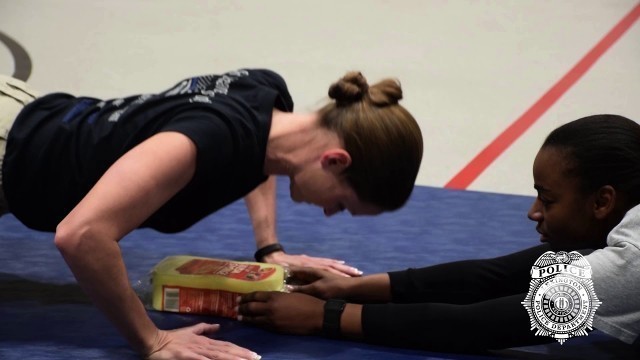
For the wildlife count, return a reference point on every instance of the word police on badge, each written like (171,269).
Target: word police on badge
(561,301)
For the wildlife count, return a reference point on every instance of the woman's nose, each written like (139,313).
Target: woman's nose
(331,211)
(535,213)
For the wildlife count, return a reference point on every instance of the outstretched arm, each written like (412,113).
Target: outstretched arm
(375,288)
(429,326)
(127,194)
(261,205)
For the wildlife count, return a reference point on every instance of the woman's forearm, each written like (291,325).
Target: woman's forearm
(374,288)
(261,205)
(351,322)
(99,269)
(450,327)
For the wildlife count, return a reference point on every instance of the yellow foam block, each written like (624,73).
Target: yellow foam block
(198,285)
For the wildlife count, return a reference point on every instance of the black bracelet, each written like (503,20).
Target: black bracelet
(264,251)
(333,309)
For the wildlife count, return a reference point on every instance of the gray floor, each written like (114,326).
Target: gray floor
(468,68)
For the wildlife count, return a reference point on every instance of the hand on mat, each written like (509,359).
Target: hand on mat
(192,343)
(331,265)
(318,283)
(288,313)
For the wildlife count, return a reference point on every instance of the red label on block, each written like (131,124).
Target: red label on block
(199,301)
(233,270)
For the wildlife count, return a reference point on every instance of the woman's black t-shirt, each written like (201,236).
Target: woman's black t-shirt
(60,145)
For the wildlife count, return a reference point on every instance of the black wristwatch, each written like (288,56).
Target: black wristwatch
(333,309)
(266,250)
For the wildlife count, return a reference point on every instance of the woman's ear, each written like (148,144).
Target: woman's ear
(605,201)
(336,159)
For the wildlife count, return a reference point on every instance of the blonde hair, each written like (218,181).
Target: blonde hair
(382,138)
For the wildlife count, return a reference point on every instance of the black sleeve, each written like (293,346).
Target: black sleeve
(468,281)
(489,325)
(464,306)
(270,78)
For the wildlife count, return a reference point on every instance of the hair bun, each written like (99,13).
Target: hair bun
(353,87)
(349,89)
(386,92)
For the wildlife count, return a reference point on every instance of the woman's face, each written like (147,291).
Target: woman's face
(323,186)
(564,214)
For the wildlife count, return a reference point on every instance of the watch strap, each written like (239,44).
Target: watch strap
(266,250)
(333,309)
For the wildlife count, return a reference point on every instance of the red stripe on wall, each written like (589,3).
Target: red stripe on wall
(489,154)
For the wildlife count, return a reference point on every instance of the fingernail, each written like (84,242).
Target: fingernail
(256,356)
(235,309)
(239,317)
(289,288)
(238,299)
(341,261)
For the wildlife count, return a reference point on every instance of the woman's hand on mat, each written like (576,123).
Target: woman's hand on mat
(318,283)
(298,314)
(192,343)
(334,266)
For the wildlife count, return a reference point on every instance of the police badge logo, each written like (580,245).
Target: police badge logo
(561,301)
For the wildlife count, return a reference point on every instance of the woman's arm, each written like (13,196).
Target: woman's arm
(467,281)
(325,285)
(497,323)
(127,194)
(493,324)
(459,282)
(261,205)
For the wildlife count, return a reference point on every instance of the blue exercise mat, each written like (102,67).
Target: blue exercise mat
(45,315)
